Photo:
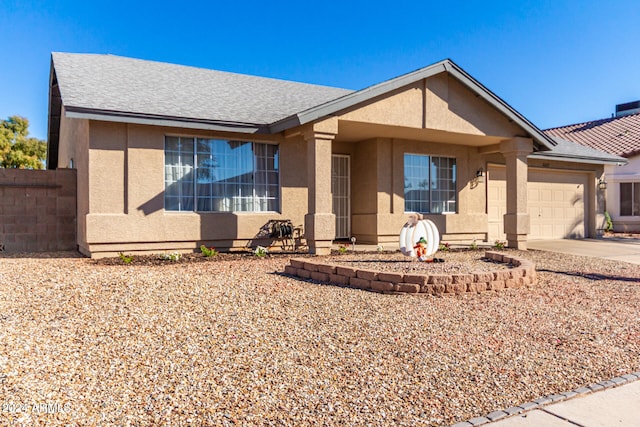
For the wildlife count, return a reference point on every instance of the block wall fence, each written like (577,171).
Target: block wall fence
(37,210)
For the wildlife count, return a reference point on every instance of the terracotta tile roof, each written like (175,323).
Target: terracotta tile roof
(616,135)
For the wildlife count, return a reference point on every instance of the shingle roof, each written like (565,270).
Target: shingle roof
(617,135)
(95,82)
(108,87)
(574,152)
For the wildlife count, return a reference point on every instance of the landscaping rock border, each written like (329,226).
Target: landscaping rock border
(522,273)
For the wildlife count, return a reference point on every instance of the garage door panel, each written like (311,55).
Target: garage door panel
(555,204)
(545,196)
(534,194)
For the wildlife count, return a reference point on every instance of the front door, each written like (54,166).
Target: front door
(341,192)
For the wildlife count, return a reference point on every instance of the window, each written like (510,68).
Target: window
(630,199)
(429,184)
(210,175)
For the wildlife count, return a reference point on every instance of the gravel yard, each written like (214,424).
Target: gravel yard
(458,262)
(232,342)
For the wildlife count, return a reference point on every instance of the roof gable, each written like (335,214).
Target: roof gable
(617,135)
(439,103)
(446,66)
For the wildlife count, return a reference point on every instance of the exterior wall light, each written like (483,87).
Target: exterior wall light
(480,176)
(602,184)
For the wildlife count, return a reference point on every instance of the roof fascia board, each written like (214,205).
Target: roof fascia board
(109,116)
(577,159)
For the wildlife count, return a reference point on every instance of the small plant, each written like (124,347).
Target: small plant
(127,259)
(208,252)
(380,248)
(261,252)
(474,245)
(342,249)
(498,244)
(173,256)
(608,227)
(444,247)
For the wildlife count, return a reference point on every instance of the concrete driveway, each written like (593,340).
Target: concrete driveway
(613,407)
(618,249)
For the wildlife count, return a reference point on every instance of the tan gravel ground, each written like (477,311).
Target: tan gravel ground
(455,262)
(231,342)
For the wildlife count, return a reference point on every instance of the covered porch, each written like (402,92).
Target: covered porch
(362,185)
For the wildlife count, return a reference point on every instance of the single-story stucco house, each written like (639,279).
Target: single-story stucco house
(169,157)
(618,135)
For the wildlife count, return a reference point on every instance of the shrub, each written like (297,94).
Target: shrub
(474,245)
(127,259)
(208,252)
(342,249)
(173,256)
(499,244)
(608,227)
(444,247)
(261,252)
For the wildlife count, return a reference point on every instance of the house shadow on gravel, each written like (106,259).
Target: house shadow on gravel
(41,255)
(592,276)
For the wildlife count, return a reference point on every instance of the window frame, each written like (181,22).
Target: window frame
(634,204)
(253,200)
(451,183)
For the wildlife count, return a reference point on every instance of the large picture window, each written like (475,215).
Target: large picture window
(211,175)
(630,199)
(429,184)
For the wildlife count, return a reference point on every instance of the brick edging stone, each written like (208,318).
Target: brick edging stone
(522,273)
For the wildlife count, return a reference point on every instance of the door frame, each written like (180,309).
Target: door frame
(347,197)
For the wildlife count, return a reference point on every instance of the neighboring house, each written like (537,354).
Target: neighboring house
(620,136)
(169,157)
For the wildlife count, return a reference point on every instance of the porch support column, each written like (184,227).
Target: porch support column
(516,220)
(320,222)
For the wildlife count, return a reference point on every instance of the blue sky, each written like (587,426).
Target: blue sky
(556,62)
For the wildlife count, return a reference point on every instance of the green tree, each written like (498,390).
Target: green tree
(17,149)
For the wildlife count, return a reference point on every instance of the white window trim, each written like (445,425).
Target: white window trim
(456,189)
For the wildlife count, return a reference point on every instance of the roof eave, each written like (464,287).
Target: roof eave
(159,120)
(619,161)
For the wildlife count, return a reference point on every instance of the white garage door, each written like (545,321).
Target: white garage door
(556,203)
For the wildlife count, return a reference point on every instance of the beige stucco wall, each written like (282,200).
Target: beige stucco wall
(121,172)
(440,103)
(126,202)
(437,116)
(614,176)
(378,190)
(74,148)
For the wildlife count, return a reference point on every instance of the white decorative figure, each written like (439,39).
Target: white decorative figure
(419,235)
